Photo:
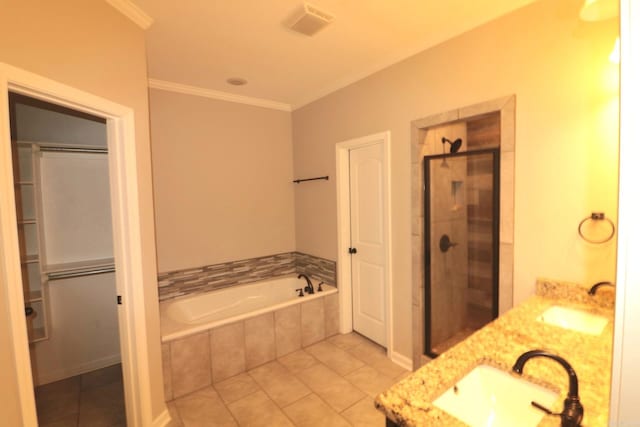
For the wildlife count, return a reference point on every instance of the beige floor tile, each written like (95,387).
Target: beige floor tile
(102,406)
(259,411)
(385,366)
(334,357)
(374,356)
(70,421)
(236,387)
(67,385)
(331,387)
(347,341)
(364,414)
(51,408)
(176,421)
(402,376)
(204,408)
(312,411)
(100,377)
(279,383)
(370,381)
(58,401)
(297,361)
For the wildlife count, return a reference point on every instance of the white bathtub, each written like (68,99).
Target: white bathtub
(188,315)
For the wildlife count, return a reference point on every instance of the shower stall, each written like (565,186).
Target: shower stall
(461,232)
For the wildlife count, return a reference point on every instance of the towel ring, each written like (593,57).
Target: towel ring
(597,216)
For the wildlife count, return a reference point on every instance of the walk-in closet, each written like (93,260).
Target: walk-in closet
(61,175)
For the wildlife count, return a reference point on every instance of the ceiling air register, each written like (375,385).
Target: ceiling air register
(311,21)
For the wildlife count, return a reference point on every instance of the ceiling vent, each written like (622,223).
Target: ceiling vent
(311,21)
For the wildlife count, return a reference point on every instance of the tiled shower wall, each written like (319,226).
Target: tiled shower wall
(506,107)
(177,283)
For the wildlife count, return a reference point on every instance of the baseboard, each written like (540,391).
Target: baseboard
(72,371)
(401,360)
(163,419)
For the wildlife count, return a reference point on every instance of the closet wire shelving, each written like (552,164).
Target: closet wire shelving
(36,273)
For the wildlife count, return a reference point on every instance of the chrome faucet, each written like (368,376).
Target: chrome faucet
(573,411)
(309,288)
(595,287)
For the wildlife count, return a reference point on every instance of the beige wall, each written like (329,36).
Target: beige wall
(88,45)
(566,140)
(222,180)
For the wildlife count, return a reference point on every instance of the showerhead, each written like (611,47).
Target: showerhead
(455,145)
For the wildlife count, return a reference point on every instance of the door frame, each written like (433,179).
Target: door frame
(344,232)
(625,373)
(126,220)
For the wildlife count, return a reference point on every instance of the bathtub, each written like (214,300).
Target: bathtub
(181,317)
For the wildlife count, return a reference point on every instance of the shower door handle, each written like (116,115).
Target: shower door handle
(446,243)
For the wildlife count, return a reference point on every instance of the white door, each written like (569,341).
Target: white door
(368,275)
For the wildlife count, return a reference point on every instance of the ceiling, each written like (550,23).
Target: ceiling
(203,43)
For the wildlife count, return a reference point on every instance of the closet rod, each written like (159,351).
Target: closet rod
(91,272)
(97,150)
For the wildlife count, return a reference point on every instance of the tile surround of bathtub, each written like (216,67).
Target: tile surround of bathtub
(288,330)
(190,364)
(213,356)
(260,340)
(228,351)
(211,277)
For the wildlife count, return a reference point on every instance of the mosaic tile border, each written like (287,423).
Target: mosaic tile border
(178,283)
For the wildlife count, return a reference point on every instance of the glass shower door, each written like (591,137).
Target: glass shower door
(461,246)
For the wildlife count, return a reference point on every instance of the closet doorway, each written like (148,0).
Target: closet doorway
(129,207)
(61,176)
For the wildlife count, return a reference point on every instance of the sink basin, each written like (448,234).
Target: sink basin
(575,320)
(490,397)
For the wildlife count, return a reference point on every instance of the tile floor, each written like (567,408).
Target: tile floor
(331,383)
(94,399)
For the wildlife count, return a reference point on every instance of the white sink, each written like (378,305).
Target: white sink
(575,320)
(490,397)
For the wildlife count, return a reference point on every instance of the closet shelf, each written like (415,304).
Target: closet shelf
(30,259)
(33,296)
(37,334)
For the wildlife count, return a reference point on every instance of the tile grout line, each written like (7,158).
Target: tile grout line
(320,397)
(297,376)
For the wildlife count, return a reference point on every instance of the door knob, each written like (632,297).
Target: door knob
(446,243)
(353,251)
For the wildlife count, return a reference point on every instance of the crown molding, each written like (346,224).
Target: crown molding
(219,95)
(133,12)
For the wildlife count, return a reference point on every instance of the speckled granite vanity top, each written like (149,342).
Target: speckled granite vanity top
(408,403)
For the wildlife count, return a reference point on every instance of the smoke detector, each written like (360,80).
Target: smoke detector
(311,21)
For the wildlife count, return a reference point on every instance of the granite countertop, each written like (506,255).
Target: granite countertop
(408,403)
